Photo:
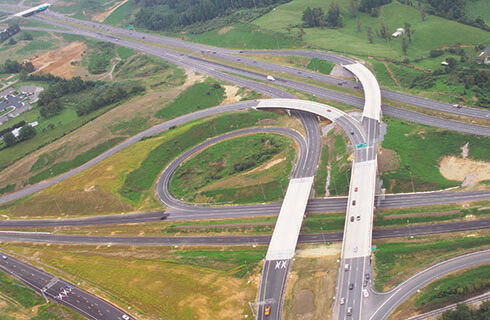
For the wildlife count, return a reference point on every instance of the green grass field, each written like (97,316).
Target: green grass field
(322,172)
(124,52)
(478,8)
(64,166)
(419,149)
(138,182)
(430,34)
(340,167)
(224,166)
(121,15)
(246,36)
(197,97)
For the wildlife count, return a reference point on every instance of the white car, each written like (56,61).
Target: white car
(125,317)
(365,293)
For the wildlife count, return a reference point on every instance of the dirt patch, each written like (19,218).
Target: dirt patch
(268,165)
(225,30)
(311,286)
(467,170)
(320,251)
(267,122)
(392,74)
(100,17)
(59,62)
(387,160)
(192,77)
(231,93)
(304,302)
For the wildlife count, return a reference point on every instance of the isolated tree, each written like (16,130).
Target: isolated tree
(301,33)
(26,36)
(422,12)
(404,45)
(318,17)
(334,19)
(308,18)
(353,7)
(408,32)
(27,132)
(9,139)
(369,32)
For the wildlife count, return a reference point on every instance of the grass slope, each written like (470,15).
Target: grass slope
(139,181)
(419,148)
(231,159)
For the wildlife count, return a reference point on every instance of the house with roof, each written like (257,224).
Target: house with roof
(484,56)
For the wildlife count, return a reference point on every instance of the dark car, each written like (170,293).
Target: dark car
(353,202)
(352,219)
(367,276)
(364,283)
(358,218)
(351,286)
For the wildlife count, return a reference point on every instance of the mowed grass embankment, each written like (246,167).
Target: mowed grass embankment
(396,261)
(138,183)
(160,282)
(433,33)
(246,37)
(240,166)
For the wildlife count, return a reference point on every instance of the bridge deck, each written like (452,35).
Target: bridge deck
(288,225)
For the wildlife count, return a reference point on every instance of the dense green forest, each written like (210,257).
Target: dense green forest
(170,15)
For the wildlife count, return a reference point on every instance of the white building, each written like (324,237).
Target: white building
(398,32)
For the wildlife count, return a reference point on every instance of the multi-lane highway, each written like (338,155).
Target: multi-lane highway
(357,262)
(61,291)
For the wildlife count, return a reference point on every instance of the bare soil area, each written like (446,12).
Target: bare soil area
(231,93)
(225,30)
(312,281)
(387,160)
(58,62)
(467,170)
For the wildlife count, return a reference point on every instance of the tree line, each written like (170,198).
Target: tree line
(12,66)
(171,15)
(449,9)
(106,95)
(26,132)
(9,32)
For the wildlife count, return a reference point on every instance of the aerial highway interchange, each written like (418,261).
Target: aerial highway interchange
(356,252)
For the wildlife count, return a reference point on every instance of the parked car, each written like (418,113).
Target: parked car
(352,219)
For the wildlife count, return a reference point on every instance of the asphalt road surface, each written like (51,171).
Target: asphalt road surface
(44,237)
